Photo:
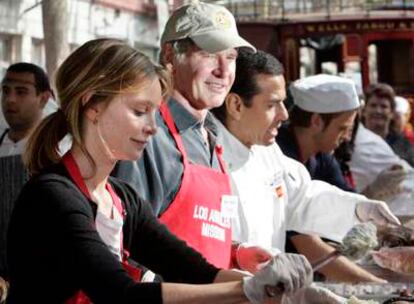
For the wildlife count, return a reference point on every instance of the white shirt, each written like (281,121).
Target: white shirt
(371,155)
(110,230)
(277,194)
(9,147)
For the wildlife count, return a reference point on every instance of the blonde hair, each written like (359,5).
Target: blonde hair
(99,69)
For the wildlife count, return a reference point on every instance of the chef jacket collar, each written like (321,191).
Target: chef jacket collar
(235,153)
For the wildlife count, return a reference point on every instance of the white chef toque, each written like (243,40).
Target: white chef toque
(325,94)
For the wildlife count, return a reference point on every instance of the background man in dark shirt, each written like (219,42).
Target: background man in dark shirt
(25,90)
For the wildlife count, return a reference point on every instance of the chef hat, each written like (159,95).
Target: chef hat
(325,94)
(401,105)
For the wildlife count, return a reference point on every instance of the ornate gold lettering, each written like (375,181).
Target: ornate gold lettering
(390,25)
(310,28)
(381,26)
(365,26)
(402,25)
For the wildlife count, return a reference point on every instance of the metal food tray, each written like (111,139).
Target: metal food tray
(368,291)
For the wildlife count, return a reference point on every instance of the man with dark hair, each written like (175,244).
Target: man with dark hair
(25,91)
(276,193)
(378,115)
(322,117)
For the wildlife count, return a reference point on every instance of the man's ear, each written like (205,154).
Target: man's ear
(234,106)
(317,122)
(167,54)
(44,98)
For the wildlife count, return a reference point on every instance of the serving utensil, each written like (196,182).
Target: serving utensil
(361,239)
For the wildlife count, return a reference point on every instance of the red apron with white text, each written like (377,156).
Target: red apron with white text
(195,213)
(73,169)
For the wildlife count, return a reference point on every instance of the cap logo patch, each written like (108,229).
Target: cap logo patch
(222,20)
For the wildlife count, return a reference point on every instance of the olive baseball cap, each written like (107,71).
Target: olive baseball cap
(211,27)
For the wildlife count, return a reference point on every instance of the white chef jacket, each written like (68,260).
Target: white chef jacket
(371,155)
(277,194)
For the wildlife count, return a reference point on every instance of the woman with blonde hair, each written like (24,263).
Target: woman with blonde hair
(73,226)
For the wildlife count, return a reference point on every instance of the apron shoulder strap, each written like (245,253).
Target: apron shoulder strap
(4,135)
(74,173)
(219,152)
(169,120)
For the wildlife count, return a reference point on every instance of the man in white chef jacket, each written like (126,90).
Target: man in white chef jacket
(275,192)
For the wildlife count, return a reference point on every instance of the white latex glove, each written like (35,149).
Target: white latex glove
(387,183)
(290,271)
(376,211)
(314,295)
(252,258)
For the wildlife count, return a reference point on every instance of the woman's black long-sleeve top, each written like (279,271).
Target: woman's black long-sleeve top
(54,249)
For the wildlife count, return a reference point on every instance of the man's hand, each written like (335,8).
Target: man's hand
(376,211)
(313,295)
(288,272)
(252,258)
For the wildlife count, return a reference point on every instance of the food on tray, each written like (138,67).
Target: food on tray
(355,300)
(399,259)
(405,292)
(391,292)
(395,236)
(359,241)
(405,297)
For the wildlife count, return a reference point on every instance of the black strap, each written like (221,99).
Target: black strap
(4,135)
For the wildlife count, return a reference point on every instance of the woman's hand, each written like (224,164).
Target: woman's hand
(284,273)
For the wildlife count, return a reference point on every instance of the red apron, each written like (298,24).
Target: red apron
(73,169)
(195,213)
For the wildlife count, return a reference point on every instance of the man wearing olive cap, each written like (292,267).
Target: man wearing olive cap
(181,172)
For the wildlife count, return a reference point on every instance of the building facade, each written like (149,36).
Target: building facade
(138,22)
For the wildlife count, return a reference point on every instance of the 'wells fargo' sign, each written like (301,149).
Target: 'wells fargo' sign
(357,26)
